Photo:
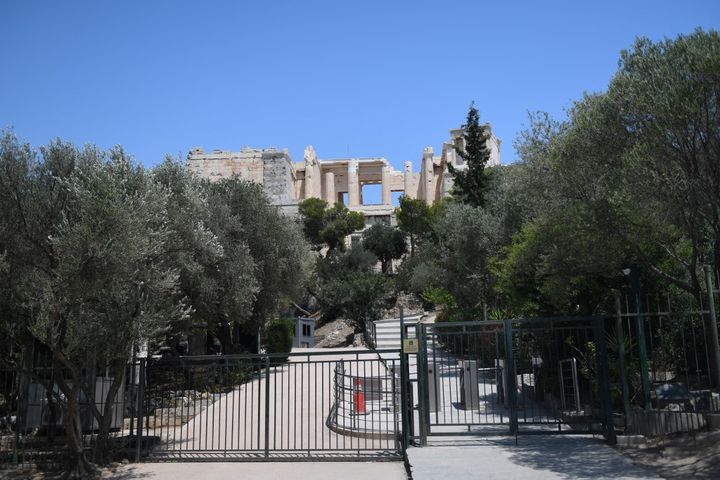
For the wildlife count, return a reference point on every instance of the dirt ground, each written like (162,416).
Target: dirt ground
(681,456)
(338,333)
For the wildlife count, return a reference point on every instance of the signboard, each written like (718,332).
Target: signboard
(410,345)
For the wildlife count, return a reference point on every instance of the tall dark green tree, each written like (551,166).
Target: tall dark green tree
(386,242)
(414,219)
(473,182)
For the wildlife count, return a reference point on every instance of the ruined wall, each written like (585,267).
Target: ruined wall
(247,164)
(278,177)
(268,167)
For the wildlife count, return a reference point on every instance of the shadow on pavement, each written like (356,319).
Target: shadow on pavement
(574,457)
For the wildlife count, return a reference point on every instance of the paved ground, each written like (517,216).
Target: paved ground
(263,471)
(534,458)
(681,456)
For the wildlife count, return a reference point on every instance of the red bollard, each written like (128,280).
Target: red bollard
(359,398)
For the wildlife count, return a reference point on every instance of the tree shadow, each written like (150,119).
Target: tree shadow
(572,457)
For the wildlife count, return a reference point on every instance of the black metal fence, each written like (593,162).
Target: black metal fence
(665,349)
(34,407)
(508,377)
(317,405)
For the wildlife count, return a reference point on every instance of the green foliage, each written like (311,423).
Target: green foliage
(100,255)
(348,286)
(329,226)
(278,336)
(442,299)
(417,274)
(86,236)
(468,239)
(267,259)
(312,211)
(559,264)
(387,243)
(471,184)
(415,219)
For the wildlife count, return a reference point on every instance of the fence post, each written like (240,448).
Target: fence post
(604,381)
(404,404)
(642,348)
(424,413)
(620,337)
(140,410)
(715,357)
(510,375)
(267,406)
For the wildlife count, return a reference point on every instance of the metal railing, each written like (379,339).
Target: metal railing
(231,407)
(666,347)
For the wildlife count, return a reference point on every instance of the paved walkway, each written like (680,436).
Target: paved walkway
(263,471)
(534,458)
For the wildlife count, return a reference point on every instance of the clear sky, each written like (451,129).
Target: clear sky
(356,79)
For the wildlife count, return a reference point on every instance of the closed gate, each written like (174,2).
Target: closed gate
(524,376)
(320,405)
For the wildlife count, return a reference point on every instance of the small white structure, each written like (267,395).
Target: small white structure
(304,333)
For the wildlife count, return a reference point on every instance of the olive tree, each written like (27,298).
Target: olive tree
(85,234)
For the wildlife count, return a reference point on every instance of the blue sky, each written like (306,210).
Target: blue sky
(355,79)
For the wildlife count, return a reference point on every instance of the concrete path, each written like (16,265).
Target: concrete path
(263,471)
(534,458)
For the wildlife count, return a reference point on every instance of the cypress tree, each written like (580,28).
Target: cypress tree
(472,183)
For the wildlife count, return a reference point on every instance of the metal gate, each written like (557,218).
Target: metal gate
(317,405)
(522,376)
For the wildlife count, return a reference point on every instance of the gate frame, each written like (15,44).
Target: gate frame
(143,450)
(596,323)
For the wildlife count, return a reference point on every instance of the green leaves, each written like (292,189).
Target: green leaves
(472,184)
(386,242)
(329,226)
(348,285)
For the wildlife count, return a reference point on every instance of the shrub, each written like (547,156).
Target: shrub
(278,336)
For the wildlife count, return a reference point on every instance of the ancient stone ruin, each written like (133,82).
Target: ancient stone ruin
(339,180)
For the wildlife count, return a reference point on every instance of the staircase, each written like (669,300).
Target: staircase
(385,334)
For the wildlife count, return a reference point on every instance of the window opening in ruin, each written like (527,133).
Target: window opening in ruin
(395,198)
(343,198)
(371,194)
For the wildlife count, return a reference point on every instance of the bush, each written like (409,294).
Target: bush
(278,336)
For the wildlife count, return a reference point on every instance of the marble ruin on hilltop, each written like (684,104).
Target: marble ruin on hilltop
(339,180)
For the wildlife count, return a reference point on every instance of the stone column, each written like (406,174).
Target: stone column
(407,179)
(386,187)
(427,175)
(353,184)
(309,180)
(330,188)
(313,181)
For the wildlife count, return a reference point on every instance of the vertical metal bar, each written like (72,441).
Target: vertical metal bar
(424,414)
(133,403)
(642,348)
(713,330)
(620,338)
(604,381)
(576,384)
(140,403)
(267,406)
(405,406)
(511,377)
